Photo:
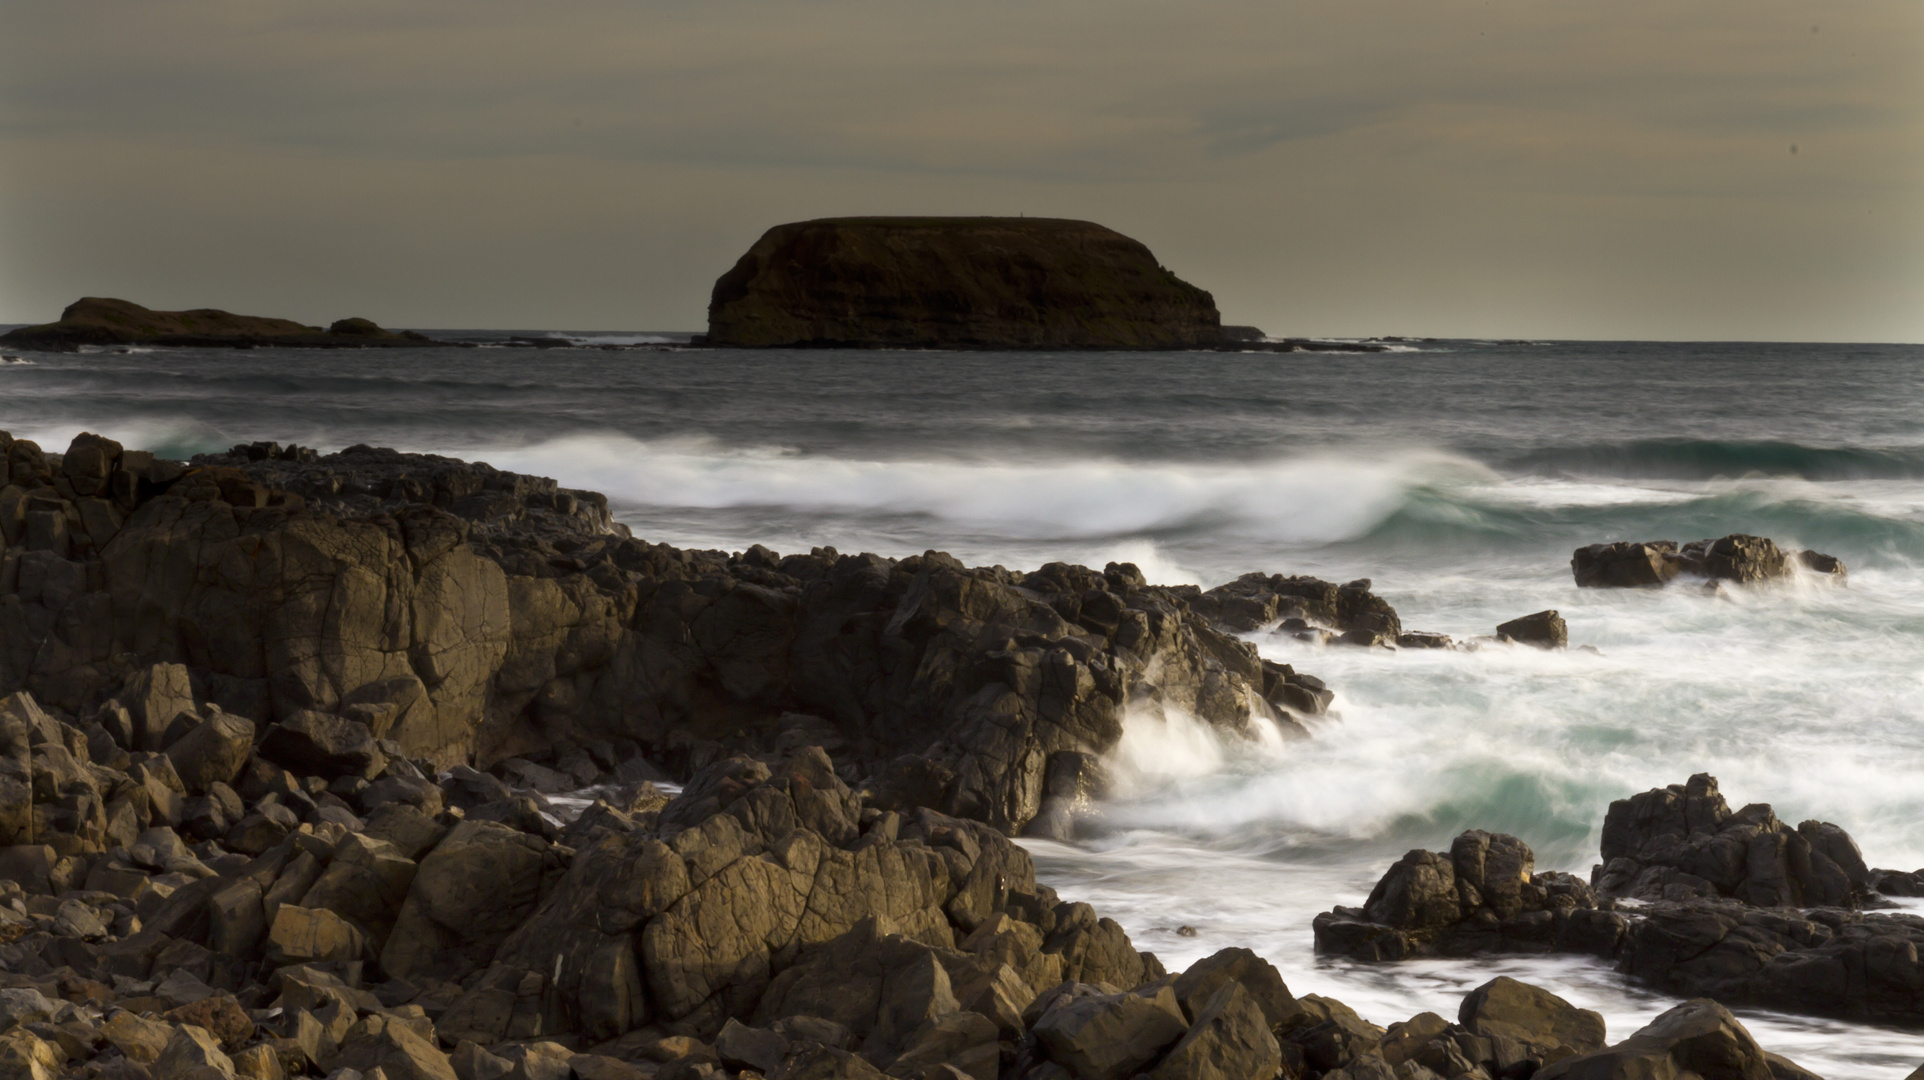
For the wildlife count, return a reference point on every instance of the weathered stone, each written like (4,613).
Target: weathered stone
(1112,1036)
(1198,985)
(1229,1039)
(26,1056)
(213,752)
(1698,1038)
(189,1050)
(740,1046)
(154,698)
(1544,630)
(366,882)
(475,888)
(140,1039)
(220,1015)
(398,1051)
(321,744)
(1550,1026)
(312,935)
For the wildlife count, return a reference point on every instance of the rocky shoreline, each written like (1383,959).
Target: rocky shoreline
(290,737)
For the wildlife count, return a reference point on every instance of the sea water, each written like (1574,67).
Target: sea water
(1458,476)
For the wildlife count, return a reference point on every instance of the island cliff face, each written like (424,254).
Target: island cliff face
(94,320)
(958,283)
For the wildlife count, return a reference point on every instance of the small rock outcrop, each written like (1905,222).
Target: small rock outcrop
(94,320)
(1482,896)
(1684,842)
(1736,558)
(1692,899)
(958,283)
(1543,630)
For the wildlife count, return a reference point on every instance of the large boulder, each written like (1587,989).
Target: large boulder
(1228,1040)
(213,751)
(477,886)
(1549,1026)
(1114,1036)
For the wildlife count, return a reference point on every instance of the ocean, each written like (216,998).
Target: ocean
(1457,475)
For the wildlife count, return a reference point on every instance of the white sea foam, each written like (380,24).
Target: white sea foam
(1303,499)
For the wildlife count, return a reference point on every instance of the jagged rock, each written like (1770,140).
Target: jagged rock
(154,698)
(397,1050)
(213,752)
(26,1056)
(135,1036)
(1111,1036)
(321,744)
(1197,985)
(477,886)
(309,935)
(1698,1038)
(1683,841)
(1544,630)
(1330,1035)
(1482,897)
(1738,558)
(218,1014)
(24,1004)
(463,614)
(189,1050)
(1228,1040)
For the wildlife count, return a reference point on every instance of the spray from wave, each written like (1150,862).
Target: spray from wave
(1316,498)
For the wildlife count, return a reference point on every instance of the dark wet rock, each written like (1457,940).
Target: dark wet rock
(367,606)
(100,321)
(1737,558)
(1683,841)
(1548,1027)
(1698,1038)
(321,744)
(1111,1036)
(1483,896)
(1543,630)
(1229,1037)
(995,283)
(1735,906)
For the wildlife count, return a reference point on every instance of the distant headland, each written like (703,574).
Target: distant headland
(94,320)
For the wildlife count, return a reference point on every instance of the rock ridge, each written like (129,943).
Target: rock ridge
(474,616)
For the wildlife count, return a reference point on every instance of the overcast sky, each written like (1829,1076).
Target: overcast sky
(1623,169)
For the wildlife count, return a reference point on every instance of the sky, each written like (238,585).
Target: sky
(1649,169)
